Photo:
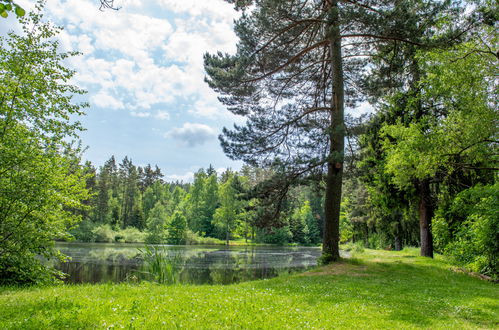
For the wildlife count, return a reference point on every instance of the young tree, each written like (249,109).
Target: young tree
(157,224)
(225,218)
(40,179)
(157,192)
(177,228)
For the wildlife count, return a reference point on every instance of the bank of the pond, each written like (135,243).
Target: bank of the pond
(378,289)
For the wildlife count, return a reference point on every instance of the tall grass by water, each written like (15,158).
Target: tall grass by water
(161,264)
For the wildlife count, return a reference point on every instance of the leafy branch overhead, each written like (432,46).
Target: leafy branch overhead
(7,6)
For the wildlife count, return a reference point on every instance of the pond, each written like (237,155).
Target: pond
(114,262)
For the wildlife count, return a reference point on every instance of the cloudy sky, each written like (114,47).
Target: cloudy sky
(143,69)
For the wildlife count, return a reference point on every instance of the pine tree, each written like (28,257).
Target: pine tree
(288,78)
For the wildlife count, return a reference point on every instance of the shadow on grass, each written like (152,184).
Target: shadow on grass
(417,292)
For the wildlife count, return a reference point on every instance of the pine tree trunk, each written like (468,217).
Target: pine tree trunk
(336,139)
(425,215)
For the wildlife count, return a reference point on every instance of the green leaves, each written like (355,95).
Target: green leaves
(8,5)
(42,183)
(19,11)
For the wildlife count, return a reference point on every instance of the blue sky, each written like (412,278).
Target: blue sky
(143,69)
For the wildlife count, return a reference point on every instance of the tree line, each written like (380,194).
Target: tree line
(134,203)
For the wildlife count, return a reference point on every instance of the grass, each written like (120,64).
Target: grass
(376,289)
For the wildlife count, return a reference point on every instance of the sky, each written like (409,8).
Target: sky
(143,69)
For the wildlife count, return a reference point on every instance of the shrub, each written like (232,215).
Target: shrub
(133,235)
(104,234)
(469,233)
(194,239)
(84,231)
(278,236)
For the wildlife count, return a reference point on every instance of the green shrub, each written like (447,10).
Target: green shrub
(278,236)
(357,247)
(194,239)
(469,233)
(18,269)
(177,229)
(133,235)
(104,234)
(375,241)
(84,231)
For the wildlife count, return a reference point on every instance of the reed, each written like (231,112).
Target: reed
(161,265)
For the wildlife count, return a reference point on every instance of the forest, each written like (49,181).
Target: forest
(418,171)
(336,218)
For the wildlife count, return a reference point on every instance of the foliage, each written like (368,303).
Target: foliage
(9,5)
(156,224)
(132,235)
(278,236)
(177,229)
(192,238)
(84,231)
(385,285)
(468,230)
(104,234)
(226,216)
(42,183)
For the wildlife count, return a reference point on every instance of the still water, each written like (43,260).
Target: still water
(114,262)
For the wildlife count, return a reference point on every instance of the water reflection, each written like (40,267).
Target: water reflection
(103,262)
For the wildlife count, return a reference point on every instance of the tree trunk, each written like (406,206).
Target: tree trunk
(336,139)
(425,215)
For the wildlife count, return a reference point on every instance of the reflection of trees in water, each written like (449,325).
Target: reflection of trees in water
(88,272)
(199,265)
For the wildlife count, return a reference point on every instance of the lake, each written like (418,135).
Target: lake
(114,262)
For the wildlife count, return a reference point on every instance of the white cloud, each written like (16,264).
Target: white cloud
(142,60)
(140,114)
(186,177)
(162,115)
(215,9)
(192,134)
(104,100)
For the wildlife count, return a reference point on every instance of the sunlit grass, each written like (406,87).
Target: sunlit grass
(374,289)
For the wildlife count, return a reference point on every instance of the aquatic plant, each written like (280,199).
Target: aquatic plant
(161,264)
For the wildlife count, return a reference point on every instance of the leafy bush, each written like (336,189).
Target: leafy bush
(104,234)
(194,239)
(357,247)
(18,269)
(468,231)
(375,241)
(177,229)
(278,236)
(133,235)
(84,231)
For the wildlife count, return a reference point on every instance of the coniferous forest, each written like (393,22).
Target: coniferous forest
(407,191)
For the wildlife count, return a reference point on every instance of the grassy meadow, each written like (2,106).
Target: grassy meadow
(375,289)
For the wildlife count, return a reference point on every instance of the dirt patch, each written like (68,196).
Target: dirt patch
(338,268)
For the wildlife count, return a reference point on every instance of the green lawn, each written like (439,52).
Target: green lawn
(377,289)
